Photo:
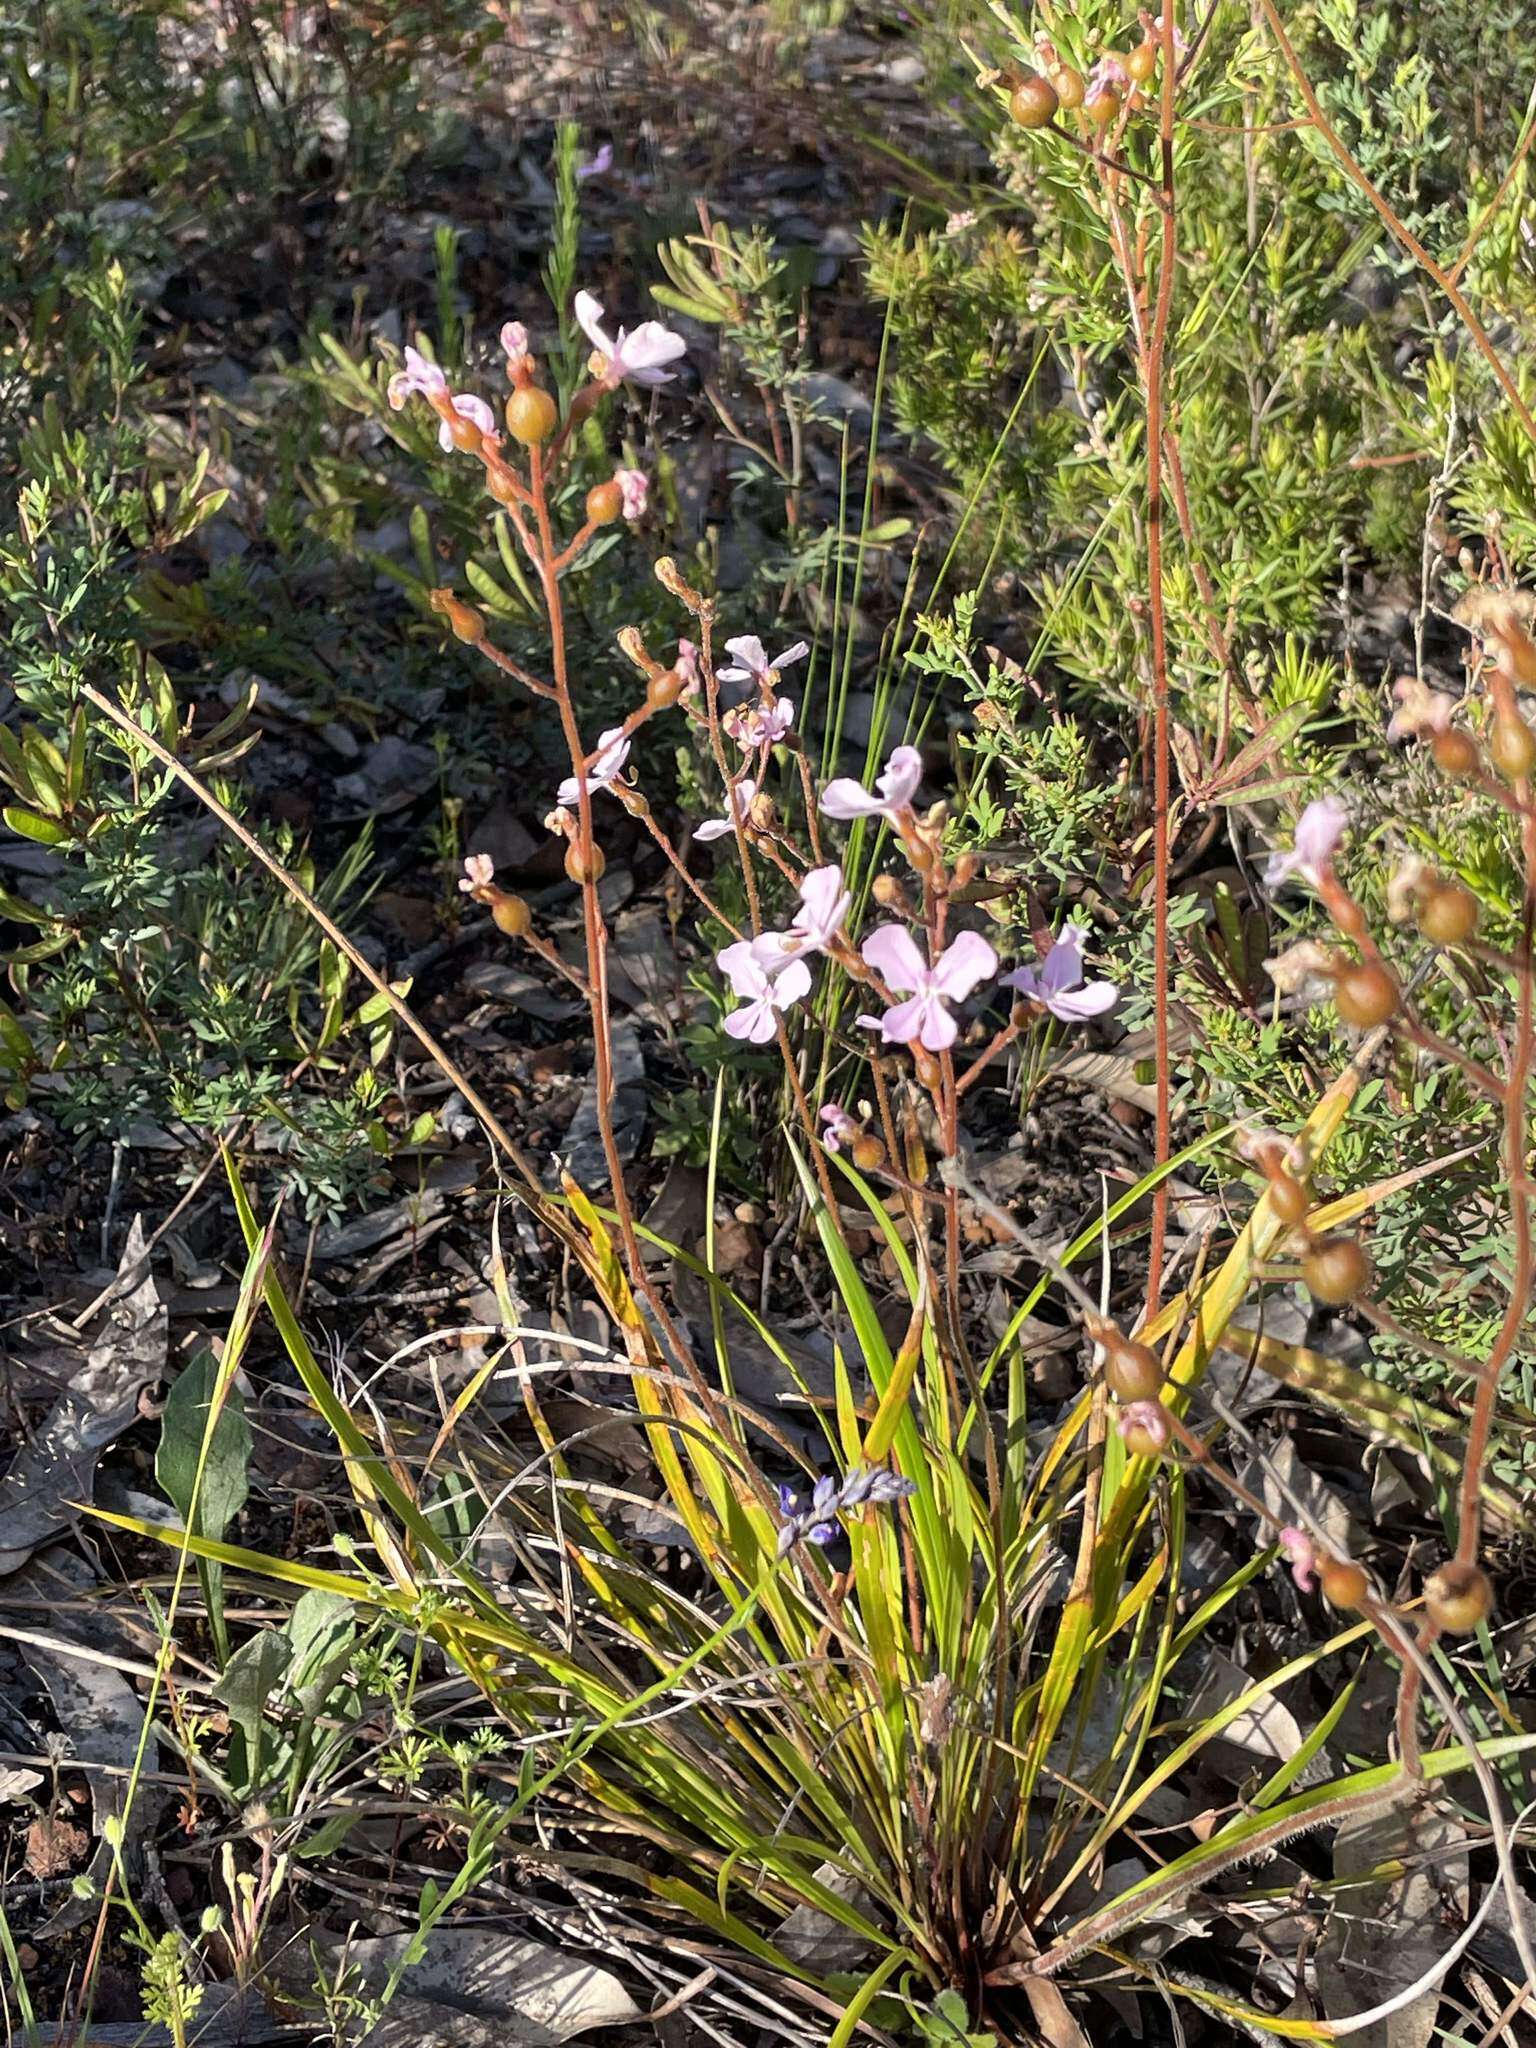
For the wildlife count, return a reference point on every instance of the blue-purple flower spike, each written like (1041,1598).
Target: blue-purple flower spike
(811,1521)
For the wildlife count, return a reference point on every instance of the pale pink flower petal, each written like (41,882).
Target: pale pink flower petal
(741,795)
(479,872)
(636,356)
(1148,1415)
(897,784)
(514,339)
(893,954)
(962,966)
(418,378)
(635,486)
(1301,1556)
(762,993)
(612,753)
(756,725)
(824,907)
(599,165)
(1056,984)
(841,1129)
(1318,832)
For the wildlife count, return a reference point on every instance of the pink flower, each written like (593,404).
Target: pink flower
(687,665)
(752,664)
(1419,709)
(635,486)
(897,785)
(1148,1415)
(637,356)
(1057,983)
(740,796)
(1301,1556)
(467,407)
(1179,44)
(1109,74)
(612,753)
(841,1129)
(1318,832)
(754,725)
(824,906)
(762,993)
(892,953)
(514,339)
(479,873)
(599,165)
(419,378)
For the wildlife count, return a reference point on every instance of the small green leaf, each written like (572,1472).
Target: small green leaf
(46,831)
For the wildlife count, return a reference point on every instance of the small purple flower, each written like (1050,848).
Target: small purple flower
(1318,832)
(598,166)
(1109,74)
(1057,983)
(897,784)
(813,1521)
(752,664)
(612,753)
(468,407)
(824,907)
(893,954)
(841,1129)
(763,994)
(419,378)
(759,725)
(635,486)
(739,798)
(638,356)
(1301,1556)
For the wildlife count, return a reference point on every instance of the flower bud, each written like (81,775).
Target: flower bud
(668,577)
(1132,1371)
(1336,1270)
(510,914)
(929,1072)
(1033,101)
(501,483)
(890,895)
(1288,1202)
(605,502)
(1458,1596)
(531,415)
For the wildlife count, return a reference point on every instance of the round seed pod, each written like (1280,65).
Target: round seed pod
(1455,753)
(464,621)
(1070,85)
(585,867)
(501,484)
(605,502)
(1102,106)
(1512,747)
(664,689)
(510,914)
(1288,1200)
(464,434)
(1366,994)
(1343,1583)
(1448,913)
(1141,1442)
(867,1153)
(1337,1269)
(1458,1597)
(1131,1370)
(531,415)
(1140,63)
(1033,101)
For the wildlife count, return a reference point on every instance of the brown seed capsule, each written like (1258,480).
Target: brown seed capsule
(1366,994)
(531,415)
(1070,85)
(501,483)
(1102,106)
(1131,1370)
(867,1153)
(464,621)
(1512,746)
(1458,1597)
(1140,63)
(605,502)
(1336,1269)
(1517,651)
(1455,753)
(664,689)
(1448,913)
(1343,1583)
(1288,1200)
(1141,1442)
(1033,101)
(510,914)
(584,867)
(463,433)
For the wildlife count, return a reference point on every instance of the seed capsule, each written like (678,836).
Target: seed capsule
(585,867)
(1033,101)
(1142,1442)
(464,621)
(605,502)
(1070,85)
(1288,1201)
(1448,913)
(1343,1583)
(510,914)
(1140,63)
(1458,1597)
(1366,994)
(664,689)
(531,415)
(1512,746)
(1455,753)
(1518,652)
(1102,106)
(867,1153)
(464,434)
(1336,1269)
(1131,1370)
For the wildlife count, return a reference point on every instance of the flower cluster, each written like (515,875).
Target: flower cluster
(814,1520)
